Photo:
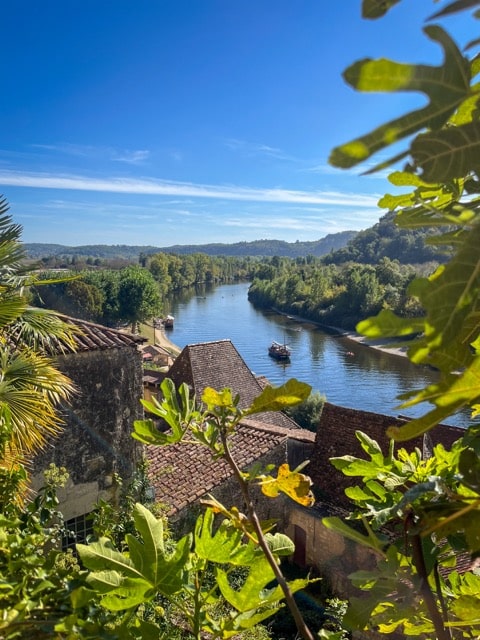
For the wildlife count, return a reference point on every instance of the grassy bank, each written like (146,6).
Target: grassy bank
(158,337)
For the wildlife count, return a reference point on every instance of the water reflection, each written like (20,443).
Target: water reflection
(369,379)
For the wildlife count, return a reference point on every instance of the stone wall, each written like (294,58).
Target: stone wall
(331,555)
(336,437)
(96,441)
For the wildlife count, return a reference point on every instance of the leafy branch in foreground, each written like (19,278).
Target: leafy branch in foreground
(421,516)
(443,171)
(434,501)
(213,426)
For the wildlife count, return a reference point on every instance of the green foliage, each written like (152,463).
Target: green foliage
(414,514)
(447,87)
(386,239)
(428,506)
(138,295)
(127,579)
(447,334)
(432,509)
(35,577)
(212,426)
(336,295)
(145,570)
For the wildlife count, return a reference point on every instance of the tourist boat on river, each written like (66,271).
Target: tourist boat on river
(168,322)
(279,351)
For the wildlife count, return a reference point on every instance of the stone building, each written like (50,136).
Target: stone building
(96,441)
(329,553)
(157,355)
(336,437)
(182,474)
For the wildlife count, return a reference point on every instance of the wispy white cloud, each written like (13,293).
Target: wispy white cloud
(322,169)
(150,186)
(131,157)
(79,150)
(258,149)
(313,227)
(111,210)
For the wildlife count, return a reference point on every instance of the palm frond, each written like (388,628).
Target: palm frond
(44,330)
(31,387)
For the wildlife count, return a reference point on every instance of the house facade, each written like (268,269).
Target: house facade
(96,444)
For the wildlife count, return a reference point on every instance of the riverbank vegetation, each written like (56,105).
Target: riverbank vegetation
(336,295)
(133,293)
(371,273)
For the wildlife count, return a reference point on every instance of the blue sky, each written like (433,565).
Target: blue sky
(161,122)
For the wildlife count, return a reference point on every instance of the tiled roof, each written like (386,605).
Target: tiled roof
(94,337)
(219,365)
(155,349)
(183,473)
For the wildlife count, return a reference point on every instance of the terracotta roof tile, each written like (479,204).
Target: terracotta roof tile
(182,473)
(93,337)
(218,364)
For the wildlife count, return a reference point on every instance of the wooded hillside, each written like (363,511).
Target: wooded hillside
(331,242)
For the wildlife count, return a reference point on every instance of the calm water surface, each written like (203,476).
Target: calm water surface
(369,379)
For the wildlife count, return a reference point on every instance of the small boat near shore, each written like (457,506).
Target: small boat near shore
(279,351)
(168,322)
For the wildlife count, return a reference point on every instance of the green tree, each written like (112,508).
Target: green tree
(107,283)
(308,413)
(138,296)
(158,267)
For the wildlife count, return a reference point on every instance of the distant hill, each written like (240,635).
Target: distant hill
(387,240)
(331,242)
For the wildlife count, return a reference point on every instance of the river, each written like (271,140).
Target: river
(345,372)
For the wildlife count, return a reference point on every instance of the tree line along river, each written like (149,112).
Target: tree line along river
(347,373)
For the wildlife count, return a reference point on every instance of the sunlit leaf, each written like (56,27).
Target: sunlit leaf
(224,545)
(214,398)
(277,398)
(280,544)
(448,153)
(293,484)
(177,409)
(128,579)
(446,87)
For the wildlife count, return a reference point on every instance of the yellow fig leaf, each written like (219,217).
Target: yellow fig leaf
(294,484)
(214,398)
